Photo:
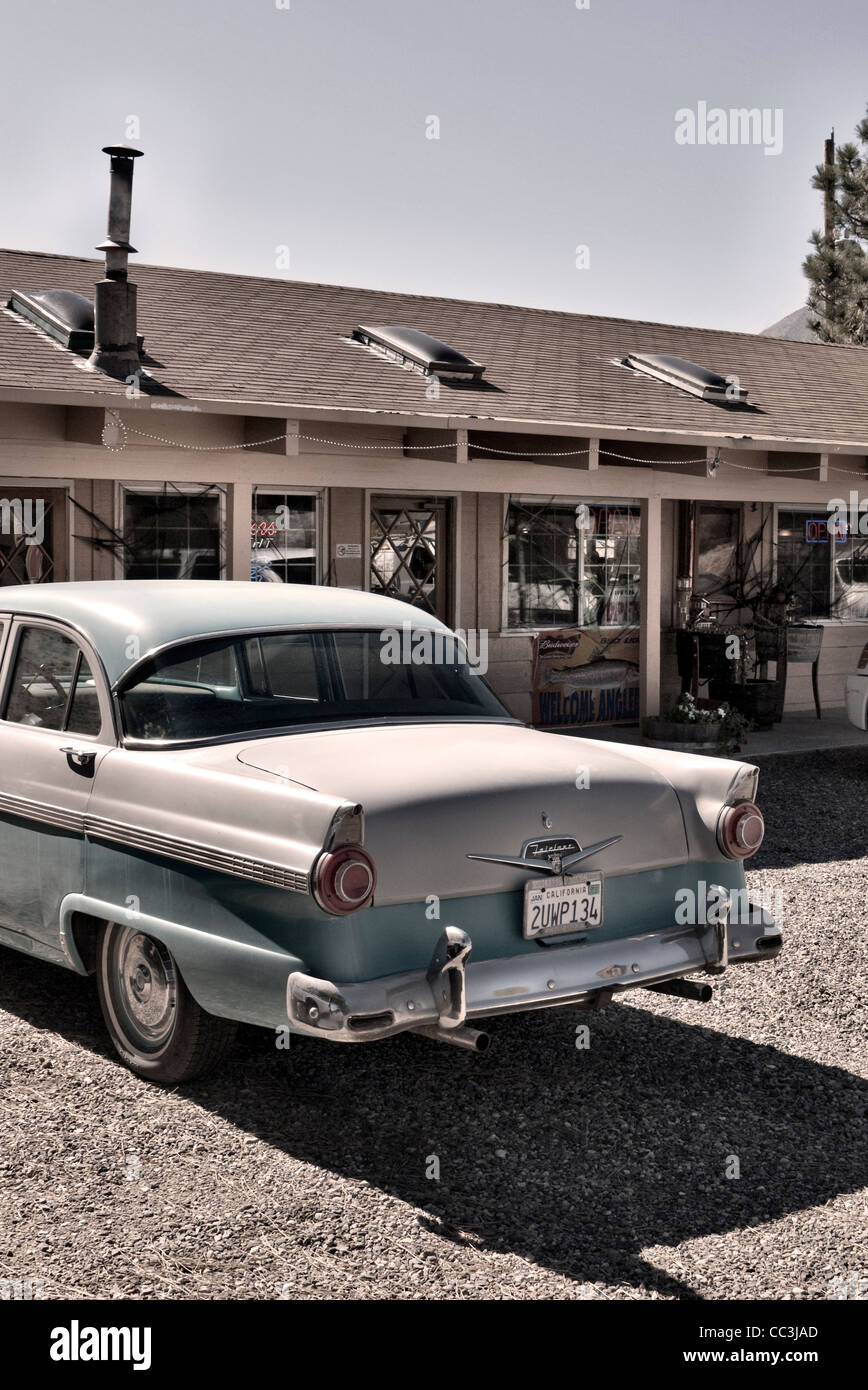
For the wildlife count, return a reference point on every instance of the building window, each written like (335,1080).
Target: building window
(283,537)
(572,563)
(718,528)
(172,533)
(826,574)
(29,536)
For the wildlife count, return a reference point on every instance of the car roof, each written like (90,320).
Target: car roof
(128,618)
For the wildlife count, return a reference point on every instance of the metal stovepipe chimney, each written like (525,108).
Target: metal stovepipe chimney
(116,347)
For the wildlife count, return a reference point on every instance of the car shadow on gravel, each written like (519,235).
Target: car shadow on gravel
(815,807)
(575,1159)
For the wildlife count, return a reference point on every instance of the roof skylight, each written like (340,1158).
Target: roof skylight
(688,376)
(62,314)
(417,351)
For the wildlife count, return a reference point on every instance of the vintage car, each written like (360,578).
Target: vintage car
(303,808)
(856,692)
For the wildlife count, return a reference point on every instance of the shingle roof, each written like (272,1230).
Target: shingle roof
(217,337)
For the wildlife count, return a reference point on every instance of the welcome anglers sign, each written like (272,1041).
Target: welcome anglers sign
(585,676)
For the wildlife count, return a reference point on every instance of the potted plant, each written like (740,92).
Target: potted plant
(771,636)
(757,701)
(694,728)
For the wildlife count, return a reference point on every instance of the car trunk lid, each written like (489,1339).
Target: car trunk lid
(435,793)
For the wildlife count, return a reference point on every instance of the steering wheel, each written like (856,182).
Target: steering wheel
(46,673)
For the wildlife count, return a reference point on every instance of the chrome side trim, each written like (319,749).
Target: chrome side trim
(57,816)
(201,856)
(169,846)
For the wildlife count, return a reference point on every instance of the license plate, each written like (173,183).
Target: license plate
(558,906)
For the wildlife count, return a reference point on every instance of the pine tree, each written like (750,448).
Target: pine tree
(838,266)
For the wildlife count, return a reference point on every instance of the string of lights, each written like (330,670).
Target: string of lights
(124,430)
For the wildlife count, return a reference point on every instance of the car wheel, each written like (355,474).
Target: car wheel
(154,1022)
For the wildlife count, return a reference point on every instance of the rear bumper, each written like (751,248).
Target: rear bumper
(453,991)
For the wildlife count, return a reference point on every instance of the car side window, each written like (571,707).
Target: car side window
(52,685)
(284,666)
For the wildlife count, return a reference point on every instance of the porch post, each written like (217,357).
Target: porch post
(239,509)
(649,621)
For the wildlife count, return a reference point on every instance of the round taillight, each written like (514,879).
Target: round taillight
(741,830)
(345,880)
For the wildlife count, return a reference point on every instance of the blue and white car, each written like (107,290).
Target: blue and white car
(250,802)
(857,692)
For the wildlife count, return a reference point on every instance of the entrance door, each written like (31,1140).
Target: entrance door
(411,552)
(33,545)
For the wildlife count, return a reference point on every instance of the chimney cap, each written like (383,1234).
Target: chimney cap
(122,151)
(110,245)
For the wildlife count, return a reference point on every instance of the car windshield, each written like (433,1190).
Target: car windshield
(233,686)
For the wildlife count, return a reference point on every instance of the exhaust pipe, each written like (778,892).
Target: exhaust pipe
(685,989)
(472,1039)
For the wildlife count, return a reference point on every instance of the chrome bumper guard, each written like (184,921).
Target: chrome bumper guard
(450,991)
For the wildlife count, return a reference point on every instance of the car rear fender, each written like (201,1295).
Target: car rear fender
(227,976)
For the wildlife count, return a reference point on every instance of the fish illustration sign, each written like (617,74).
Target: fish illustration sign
(586,676)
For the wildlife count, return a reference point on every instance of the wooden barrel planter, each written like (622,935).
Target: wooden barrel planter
(804,641)
(756,700)
(770,643)
(684,738)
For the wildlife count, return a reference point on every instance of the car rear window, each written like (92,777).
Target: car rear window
(238,685)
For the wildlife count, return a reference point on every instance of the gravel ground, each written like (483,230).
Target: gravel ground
(563,1173)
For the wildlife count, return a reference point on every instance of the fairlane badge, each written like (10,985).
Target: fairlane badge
(552,854)
(550,847)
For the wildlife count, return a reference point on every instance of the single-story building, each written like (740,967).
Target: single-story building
(515,470)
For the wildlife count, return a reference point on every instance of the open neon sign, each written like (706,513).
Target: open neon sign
(817,531)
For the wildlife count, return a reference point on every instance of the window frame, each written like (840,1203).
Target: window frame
(318,494)
(187,489)
(553,500)
(16,629)
(706,505)
(811,511)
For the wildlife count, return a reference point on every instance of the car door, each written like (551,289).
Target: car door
(55,726)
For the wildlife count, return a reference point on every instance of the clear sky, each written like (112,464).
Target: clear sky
(307,126)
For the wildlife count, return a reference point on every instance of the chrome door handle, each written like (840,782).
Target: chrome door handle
(81,758)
